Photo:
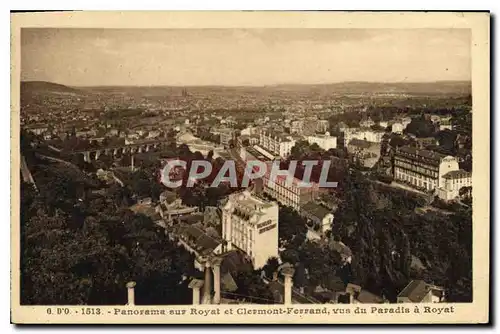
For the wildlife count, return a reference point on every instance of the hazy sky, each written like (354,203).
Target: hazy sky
(86,57)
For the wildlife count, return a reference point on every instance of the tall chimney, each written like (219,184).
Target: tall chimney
(288,273)
(131,293)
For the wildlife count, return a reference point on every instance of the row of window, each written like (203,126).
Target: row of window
(416,159)
(284,199)
(416,181)
(422,170)
(461,181)
(415,174)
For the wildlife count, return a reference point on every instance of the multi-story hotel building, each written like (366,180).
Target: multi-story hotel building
(250,223)
(290,194)
(287,194)
(423,169)
(276,143)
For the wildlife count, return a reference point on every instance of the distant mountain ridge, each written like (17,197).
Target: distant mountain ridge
(350,87)
(45,86)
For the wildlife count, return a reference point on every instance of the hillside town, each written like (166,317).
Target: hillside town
(396,229)
(290,166)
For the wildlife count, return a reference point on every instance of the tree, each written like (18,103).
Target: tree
(384,232)
(465,192)
(81,248)
(252,288)
(292,227)
(271,266)
(421,128)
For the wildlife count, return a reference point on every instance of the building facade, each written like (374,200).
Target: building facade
(250,223)
(296,126)
(453,182)
(290,195)
(422,169)
(277,144)
(325,141)
(293,194)
(322,126)
(362,134)
(226,135)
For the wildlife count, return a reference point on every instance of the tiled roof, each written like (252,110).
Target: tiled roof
(415,291)
(457,174)
(432,155)
(316,210)
(198,239)
(367,297)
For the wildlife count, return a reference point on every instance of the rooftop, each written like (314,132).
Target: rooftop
(417,290)
(432,155)
(360,143)
(317,210)
(197,238)
(457,174)
(257,154)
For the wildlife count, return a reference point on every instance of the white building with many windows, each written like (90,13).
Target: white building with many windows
(423,169)
(453,182)
(250,223)
(325,141)
(362,134)
(278,144)
(293,194)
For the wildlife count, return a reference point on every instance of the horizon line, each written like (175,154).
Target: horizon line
(258,86)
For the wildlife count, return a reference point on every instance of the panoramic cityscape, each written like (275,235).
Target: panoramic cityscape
(257,166)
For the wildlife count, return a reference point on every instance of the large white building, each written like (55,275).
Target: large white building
(453,182)
(325,141)
(250,223)
(362,134)
(290,195)
(423,169)
(276,143)
(293,195)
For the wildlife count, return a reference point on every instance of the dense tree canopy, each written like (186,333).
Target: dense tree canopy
(79,246)
(387,235)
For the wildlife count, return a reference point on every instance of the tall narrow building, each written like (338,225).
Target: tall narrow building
(250,223)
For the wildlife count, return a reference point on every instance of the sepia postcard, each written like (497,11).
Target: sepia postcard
(250,167)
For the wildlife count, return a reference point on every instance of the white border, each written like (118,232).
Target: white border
(178,5)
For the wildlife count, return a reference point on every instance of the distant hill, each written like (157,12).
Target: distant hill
(410,88)
(418,88)
(45,86)
(459,88)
